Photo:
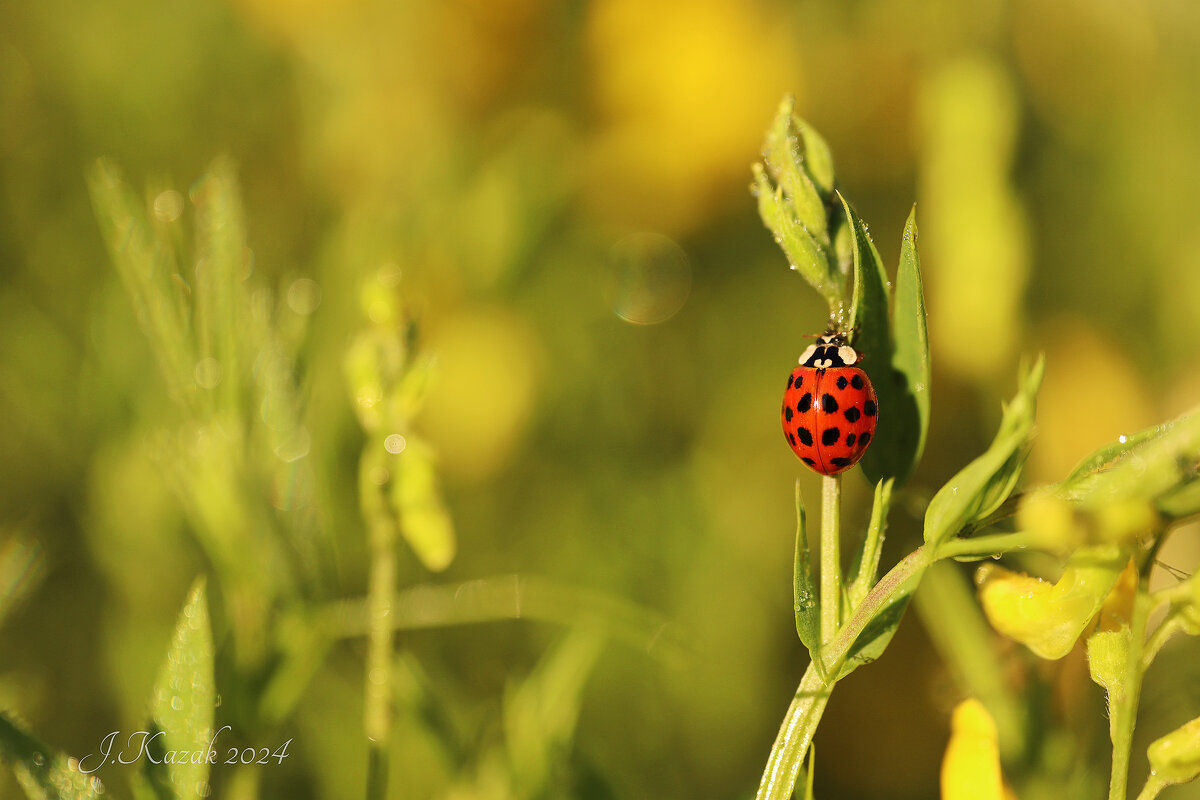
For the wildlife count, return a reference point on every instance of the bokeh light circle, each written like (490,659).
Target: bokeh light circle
(649,278)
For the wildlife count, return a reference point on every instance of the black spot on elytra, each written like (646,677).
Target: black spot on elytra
(789,382)
(792,439)
(808,461)
(787,413)
(849,440)
(869,408)
(805,403)
(805,436)
(828,404)
(864,440)
(830,436)
(857,382)
(852,414)
(841,381)
(799,380)
(841,462)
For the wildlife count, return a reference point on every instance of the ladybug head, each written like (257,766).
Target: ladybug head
(830,351)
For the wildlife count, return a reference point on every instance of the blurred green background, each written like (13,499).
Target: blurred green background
(562,188)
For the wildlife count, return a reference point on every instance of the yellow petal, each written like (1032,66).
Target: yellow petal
(1049,618)
(971,767)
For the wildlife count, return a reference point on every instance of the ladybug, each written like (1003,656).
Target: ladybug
(829,407)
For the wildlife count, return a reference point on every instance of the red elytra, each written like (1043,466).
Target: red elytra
(829,408)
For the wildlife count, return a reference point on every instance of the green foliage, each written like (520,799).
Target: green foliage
(44,773)
(828,244)
(182,703)
(805,599)
(586,469)
(911,399)
(180,730)
(1110,506)
(795,191)
(980,488)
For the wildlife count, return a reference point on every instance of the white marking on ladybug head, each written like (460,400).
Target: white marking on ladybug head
(808,353)
(823,363)
(847,354)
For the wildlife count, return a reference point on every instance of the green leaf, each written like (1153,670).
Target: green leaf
(541,714)
(804,253)
(794,187)
(870,330)
(1175,758)
(866,562)
(1105,456)
(149,275)
(786,761)
(416,500)
(877,634)
(817,156)
(981,486)
(806,600)
(785,158)
(910,409)
(869,306)
(1158,465)
(183,699)
(45,773)
(224,264)
(1108,657)
(811,770)
(858,635)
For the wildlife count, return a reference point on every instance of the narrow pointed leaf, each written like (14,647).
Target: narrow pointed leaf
(804,254)
(870,327)
(866,564)
(221,300)
(804,589)
(910,358)
(184,697)
(817,156)
(44,773)
(980,487)
(785,159)
(878,633)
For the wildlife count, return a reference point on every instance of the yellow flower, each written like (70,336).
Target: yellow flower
(1047,617)
(971,766)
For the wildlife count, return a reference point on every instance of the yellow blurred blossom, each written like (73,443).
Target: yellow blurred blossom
(1047,617)
(1070,424)
(682,94)
(973,227)
(971,766)
(487,364)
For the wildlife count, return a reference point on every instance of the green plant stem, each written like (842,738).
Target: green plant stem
(831,566)
(1123,713)
(381,592)
(808,704)
(990,544)
(794,737)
